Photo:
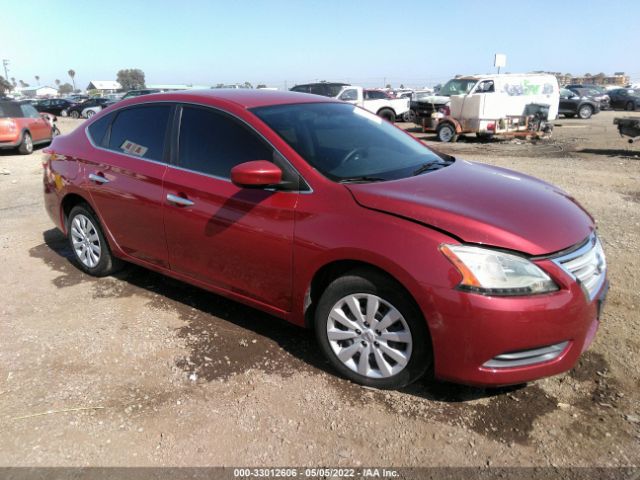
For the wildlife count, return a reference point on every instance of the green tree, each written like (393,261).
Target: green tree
(247,85)
(261,85)
(131,78)
(37,77)
(5,86)
(65,88)
(72,74)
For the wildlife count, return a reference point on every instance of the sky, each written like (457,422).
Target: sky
(283,42)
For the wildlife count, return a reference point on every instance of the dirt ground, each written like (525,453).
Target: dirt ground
(157,373)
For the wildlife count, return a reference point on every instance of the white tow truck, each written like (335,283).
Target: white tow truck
(375,101)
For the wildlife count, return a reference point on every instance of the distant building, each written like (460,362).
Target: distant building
(617,79)
(43,91)
(104,86)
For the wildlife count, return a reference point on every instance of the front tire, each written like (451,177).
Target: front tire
(371,331)
(585,112)
(629,106)
(446,133)
(87,241)
(409,116)
(90,113)
(26,147)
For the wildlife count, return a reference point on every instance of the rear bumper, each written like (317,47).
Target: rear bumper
(496,341)
(12,142)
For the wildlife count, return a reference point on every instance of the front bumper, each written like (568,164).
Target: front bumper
(482,340)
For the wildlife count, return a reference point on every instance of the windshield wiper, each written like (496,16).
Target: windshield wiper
(363,179)
(428,167)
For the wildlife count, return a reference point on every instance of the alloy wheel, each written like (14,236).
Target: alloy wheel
(369,336)
(86,242)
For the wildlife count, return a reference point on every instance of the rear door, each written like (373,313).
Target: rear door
(124,177)
(233,238)
(38,126)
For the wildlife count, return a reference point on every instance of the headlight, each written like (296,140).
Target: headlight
(492,272)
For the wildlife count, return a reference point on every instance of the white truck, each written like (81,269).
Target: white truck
(375,101)
(487,105)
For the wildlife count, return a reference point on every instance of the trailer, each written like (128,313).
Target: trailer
(628,127)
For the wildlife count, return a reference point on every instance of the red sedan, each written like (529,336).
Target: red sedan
(401,259)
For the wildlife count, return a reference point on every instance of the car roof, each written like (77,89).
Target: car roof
(244,98)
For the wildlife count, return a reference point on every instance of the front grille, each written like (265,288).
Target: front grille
(524,358)
(587,265)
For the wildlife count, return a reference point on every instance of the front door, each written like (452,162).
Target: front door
(237,239)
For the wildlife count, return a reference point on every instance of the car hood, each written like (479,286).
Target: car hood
(435,99)
(486,205)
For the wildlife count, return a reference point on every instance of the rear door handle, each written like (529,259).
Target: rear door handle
(177,200)
(98,178)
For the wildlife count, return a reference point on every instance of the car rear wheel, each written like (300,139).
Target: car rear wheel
(629,106)
(446,133)
(90,249)
(409,116)
(64,113)
(90,113)
(371,332)
(387,114)
(26,147)
(585,112)
(74,114)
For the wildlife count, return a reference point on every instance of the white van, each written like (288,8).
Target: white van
(487,105)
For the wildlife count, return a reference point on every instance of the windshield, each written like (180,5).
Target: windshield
(347,143)
(457,86)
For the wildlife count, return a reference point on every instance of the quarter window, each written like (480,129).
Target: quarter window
(140,131)
(98,130)
(213,143)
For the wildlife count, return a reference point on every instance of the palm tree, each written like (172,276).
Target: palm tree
(13,80)
(37,77)
(72,74)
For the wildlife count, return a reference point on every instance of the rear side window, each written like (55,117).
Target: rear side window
(29,111)
(98,130)
(213,143)
(140,131)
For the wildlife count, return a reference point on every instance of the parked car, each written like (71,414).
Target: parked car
(487,105)
(137,93)
(54,106)
(326,89)
(572,104)
(603,99)
(90,111)
(625,99)
(22,126)
(400,258)
(416,97)
(628,127)
(79,109)
(375,101)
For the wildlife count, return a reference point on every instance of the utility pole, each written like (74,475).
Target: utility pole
(5,64)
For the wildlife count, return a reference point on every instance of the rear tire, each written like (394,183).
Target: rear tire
(91,252)
(388,363)
(629,106)
(446,133)
(409,116)
(90,113)
(26,147)
(388,115)
(74,114)
(585,112)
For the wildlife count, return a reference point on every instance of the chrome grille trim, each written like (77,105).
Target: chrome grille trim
(527,357)
(587,265)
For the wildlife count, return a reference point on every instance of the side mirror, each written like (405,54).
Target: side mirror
(258,173)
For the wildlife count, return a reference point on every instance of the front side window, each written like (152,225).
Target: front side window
(347,143)
(457,86)
(349,95)
(140,131)
(213,143)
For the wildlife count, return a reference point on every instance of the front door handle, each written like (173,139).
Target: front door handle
(98,178)
(178,200)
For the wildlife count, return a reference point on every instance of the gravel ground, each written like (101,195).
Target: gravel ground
(153,372)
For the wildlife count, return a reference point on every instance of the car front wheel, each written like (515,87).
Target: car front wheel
(371,332)
(74,114)
(585,112)
(88,244)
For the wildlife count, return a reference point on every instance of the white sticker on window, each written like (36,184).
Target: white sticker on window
(133,148)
